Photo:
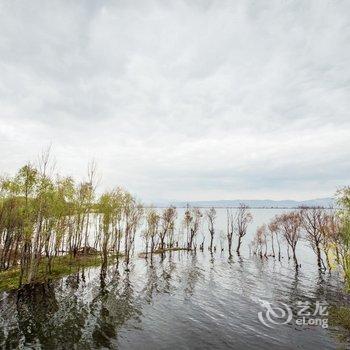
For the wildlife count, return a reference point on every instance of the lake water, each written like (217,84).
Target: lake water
(185,301)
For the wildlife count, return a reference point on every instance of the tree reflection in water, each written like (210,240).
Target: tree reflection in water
(199,298)
(55,317)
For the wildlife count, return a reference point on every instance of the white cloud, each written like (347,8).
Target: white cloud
(184,100)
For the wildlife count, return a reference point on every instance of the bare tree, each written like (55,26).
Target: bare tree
(265,234)
(312,223)
(196,216)
(290,224)
(230,229)
(260,240)
(329,225)
(152,220)
(133,213)
(168,218)
(274,230)
(243,219)
(211,216)
(91,188)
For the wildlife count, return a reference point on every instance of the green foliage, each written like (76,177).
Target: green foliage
(343,199)
(339,317)
(42,216)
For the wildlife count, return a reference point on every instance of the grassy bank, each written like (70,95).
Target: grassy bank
(340,316)
(61,266)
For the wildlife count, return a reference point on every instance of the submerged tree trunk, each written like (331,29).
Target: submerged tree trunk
(272,245)
(239,245)
(279,250)
(295,259)
(320,262)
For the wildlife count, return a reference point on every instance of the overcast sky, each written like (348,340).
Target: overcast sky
(181,100)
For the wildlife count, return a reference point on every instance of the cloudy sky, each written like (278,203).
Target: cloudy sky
(181,100)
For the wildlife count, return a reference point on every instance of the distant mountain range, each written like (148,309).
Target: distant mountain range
(254,203)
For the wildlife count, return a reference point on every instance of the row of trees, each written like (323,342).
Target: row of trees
(43,216)
(159,233)
(311,223)
(327,232)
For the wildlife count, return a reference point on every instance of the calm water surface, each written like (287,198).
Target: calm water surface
(184,301)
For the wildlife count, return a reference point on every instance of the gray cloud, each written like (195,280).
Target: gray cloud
(184,99)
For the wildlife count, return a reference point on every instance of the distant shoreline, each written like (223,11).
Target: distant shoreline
(326,202)
(236,207)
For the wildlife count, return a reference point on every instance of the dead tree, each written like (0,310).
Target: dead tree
(230,230)
(195,225)
(312,222)
(243,219)
(260,240)
(211,216)
(274,228)
(290,224)
(168,218)
(152,220)
(330,228)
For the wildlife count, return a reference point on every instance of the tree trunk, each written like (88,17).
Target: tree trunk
(319,258)
(295,259)
(272,246)
(229,245)
(239,245)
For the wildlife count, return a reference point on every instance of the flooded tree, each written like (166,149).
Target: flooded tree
(132,214)
(211,216)
(151,231)
(90,196)
(192,221)
(330,228)
(187,223)
(243,219)
(167,220)
(323,233)
(106,208)
(230,229)
(312,223)
(290,224)
(260,241)
(274,230)
(119,196)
